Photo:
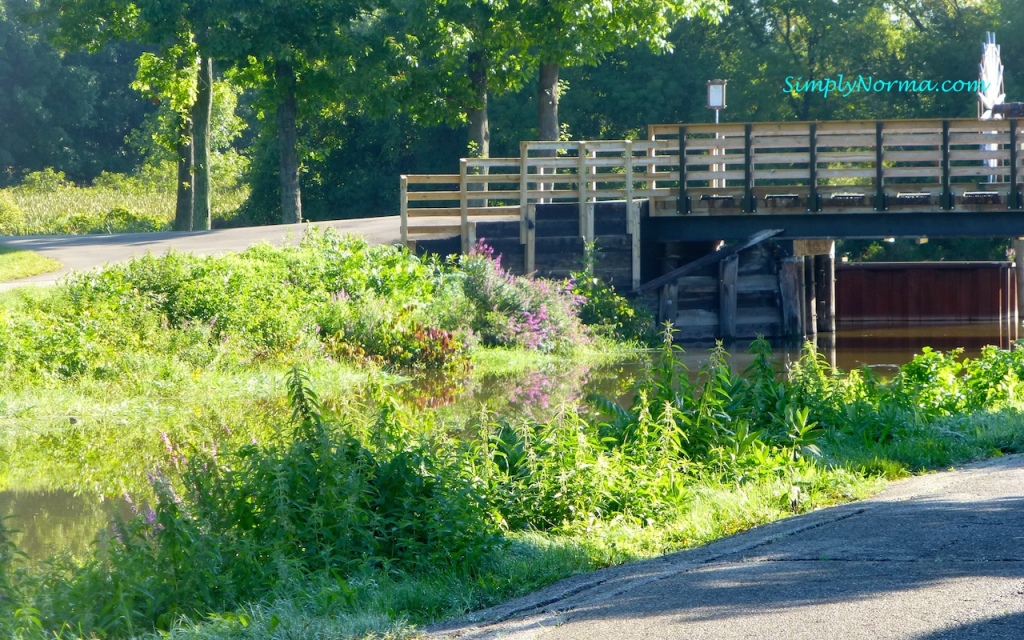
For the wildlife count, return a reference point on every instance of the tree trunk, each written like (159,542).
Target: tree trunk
(202,113)
(183,203)
(547,102)
(479,130)
(287,141)
(547,115)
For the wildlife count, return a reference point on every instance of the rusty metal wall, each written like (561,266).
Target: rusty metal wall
(893,292)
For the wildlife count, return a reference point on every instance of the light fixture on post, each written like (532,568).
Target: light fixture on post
(716,102)
(716,96)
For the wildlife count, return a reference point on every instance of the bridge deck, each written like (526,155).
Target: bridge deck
(834,179)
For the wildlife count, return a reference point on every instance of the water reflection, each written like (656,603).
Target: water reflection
(858,345)
(51,521)
(47,522)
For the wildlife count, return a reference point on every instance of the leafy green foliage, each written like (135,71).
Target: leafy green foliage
(12,218)
(72,112)
(326,506)
(509,310)
(333,297)
(609,313)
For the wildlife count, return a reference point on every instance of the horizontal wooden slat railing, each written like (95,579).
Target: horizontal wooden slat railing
(705,169)
(853,166)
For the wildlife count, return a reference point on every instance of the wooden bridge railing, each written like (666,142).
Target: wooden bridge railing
(855,166)
(707,169)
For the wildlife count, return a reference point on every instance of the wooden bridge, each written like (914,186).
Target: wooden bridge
(698,183)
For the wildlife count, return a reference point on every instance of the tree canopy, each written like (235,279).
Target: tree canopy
(345,95)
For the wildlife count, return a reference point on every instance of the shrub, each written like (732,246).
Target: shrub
(516,311)
(12,218)
(610,314)
(381,331)
(46,180)
(331,500)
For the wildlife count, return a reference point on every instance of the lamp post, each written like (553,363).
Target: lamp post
(716,96)
(716,102)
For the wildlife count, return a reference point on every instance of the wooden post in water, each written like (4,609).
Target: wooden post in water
(791,272)
(810,297)
(667,304)
(825,275)
(1015,304)
(1018,263)
(728,270)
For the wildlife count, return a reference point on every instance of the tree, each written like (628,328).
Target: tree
(298,49)
(580,32)
(171,26)
(70,112)
(459,55)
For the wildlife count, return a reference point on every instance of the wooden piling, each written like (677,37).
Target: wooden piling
(1018,263)
(825,276)
(667,308)
(791,271)
(728,270)
(810,297)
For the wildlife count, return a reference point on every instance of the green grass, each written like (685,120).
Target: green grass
(181,368)
(16,264)
(46,204)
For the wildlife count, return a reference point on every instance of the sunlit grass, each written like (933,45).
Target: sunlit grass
(47,204)
(16,264)
(80,210)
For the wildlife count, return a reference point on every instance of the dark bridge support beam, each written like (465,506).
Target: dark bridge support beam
(931,224)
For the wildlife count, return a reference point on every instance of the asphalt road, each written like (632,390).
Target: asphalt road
(936,556)
(79,253)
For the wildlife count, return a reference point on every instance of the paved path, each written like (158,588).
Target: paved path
(937,556)
(80,253)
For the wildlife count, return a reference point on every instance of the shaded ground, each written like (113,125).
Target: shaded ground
(79,253)
(937,556)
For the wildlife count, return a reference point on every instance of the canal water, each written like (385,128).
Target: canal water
(61,520)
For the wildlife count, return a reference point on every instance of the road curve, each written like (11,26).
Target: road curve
(80,253)
(935,556)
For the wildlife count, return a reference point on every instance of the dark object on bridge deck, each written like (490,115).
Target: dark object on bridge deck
(780,200)
(904,198)
(1009,109)
(980,197)
(719,202)
(847,199)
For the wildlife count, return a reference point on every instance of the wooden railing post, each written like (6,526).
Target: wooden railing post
(812,168)
(464,206)
(586,212)
(524,170)
(1014,195)
(749,200)
(880,204)
(405,209)
(632,219)
(683,201)
(947,190)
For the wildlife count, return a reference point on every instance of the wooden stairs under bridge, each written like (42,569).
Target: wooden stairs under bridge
(690,185)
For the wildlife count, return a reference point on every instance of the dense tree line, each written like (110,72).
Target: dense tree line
(342,96)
